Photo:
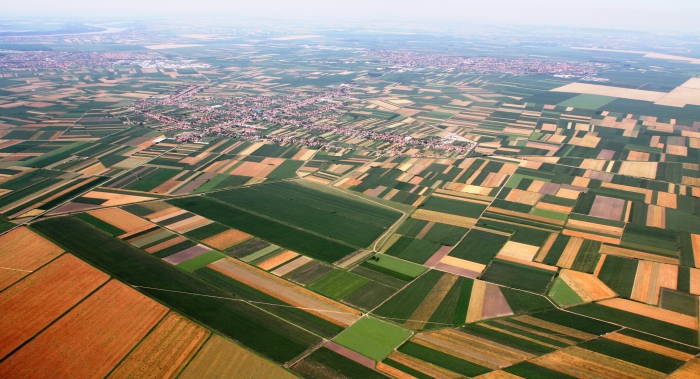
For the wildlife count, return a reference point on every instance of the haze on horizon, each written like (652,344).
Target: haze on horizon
(669,16)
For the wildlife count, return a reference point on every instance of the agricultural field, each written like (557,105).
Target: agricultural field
(184,206)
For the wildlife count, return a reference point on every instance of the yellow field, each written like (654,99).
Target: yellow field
(587,286)
(21,252)
(221,358)
(639,169)
(115,199)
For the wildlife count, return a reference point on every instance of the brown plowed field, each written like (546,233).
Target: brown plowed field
(495,304)
(165,351)
(22,251)
(30,305)
(608,207)
(91,339)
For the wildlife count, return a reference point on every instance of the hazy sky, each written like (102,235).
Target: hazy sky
(655,15)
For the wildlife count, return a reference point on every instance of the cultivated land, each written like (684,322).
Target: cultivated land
(278,204)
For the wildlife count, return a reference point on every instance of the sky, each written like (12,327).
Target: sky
(667,16)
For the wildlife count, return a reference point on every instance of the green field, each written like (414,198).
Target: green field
(337,218)
(200,261)
(369,295)
(386,263)
(404,303)
(283,235)
(588,101)
(518,276)
(479,246)
(337,284)
(456,207)
(562,294)
(413,249)
(619,274)
(372,337)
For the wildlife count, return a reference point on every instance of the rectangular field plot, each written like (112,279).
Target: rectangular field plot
(413,249)
(518,276)
(391,266)
(337,284)
(353,222)
(456,207)
(372,338)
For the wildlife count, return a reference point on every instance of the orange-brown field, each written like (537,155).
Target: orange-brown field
(90,339)
(166,244)
(277,260)
(587,286)
(33,303)
(165,351)
(120,219)
(226,239)
(21,252)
